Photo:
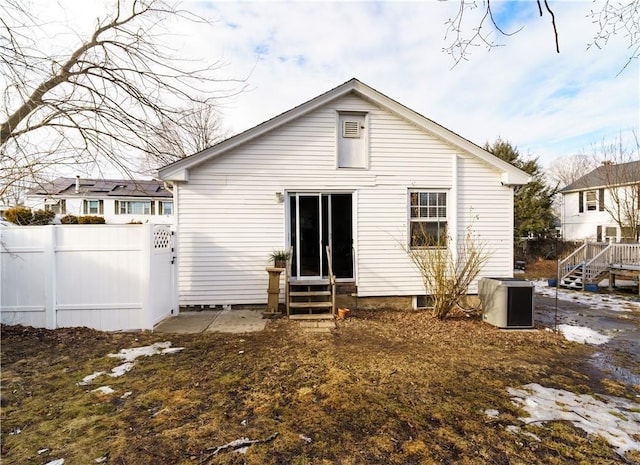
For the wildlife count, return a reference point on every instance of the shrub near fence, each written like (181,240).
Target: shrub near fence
(107,277)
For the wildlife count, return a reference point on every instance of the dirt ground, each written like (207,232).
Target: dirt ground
(392,387)
(540,269)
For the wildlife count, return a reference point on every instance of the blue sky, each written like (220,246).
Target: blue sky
(548,105)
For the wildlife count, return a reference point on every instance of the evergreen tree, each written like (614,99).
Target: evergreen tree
(533,213)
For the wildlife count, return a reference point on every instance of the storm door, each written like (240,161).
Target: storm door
(315,221)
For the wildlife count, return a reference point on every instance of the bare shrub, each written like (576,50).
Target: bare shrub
(447,270)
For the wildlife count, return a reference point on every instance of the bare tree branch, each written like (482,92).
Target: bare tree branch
(618,18)
(103,101)
(620,172)
(482,34)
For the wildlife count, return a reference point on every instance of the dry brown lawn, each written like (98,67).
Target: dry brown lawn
(386,387)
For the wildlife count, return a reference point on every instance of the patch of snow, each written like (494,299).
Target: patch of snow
(613,418)
(513,429)
(121,369)
(89,378)
(130,355)
(126,394)
(306,439)
(55,462)
(594,300)
(104,390)
(582,335)
(493,413)
(42,451)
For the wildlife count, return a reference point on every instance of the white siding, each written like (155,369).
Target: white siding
(229,219)
(579,226)
(485,208)
(74,206)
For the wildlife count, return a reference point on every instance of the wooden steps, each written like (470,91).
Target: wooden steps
(573,280)
(311,298)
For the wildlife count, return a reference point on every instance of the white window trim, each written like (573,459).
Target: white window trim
(87,207)
(128,203)
(437,219)
(161,204)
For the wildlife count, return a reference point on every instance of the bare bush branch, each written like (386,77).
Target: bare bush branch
(447,271)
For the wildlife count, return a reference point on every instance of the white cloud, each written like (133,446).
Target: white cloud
(547,104)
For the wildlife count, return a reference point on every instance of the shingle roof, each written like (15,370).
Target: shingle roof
(606,175)
(66,187)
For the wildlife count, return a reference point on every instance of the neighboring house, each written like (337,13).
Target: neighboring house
(351,169)
(591,203)
(119,201)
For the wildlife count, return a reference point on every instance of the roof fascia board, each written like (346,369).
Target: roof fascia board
(599,186)
(510,175)
(178,171)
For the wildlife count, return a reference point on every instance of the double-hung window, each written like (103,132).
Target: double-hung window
(591,201)
(92,207)
(427,218)
(591,198)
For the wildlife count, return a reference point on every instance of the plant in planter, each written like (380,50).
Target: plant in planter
(280,257)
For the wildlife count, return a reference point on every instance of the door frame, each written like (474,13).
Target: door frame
(322,257)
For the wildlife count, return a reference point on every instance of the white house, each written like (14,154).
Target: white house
(119,201)
(351,169)
(589,203)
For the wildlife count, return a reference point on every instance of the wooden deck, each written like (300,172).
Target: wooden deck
(595,261)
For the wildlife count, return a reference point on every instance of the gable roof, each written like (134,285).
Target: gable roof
(606,175)
(179,170)
(66,187)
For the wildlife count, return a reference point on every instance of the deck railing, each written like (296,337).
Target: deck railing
(625,254)
(596,258)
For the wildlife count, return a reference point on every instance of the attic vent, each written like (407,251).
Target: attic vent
(351,129)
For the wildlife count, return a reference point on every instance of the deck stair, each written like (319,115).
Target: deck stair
(592,262)
(311,299)
(573,278)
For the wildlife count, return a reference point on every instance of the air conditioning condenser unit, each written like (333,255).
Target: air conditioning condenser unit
(507,302)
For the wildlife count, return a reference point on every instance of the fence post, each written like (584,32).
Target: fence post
(145,276)
(50,285)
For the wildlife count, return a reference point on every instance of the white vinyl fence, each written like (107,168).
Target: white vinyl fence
(107,277)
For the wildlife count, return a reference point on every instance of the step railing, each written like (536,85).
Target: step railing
(287,281)
(332,281)
(597,265)
(567,265)
(582,257)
